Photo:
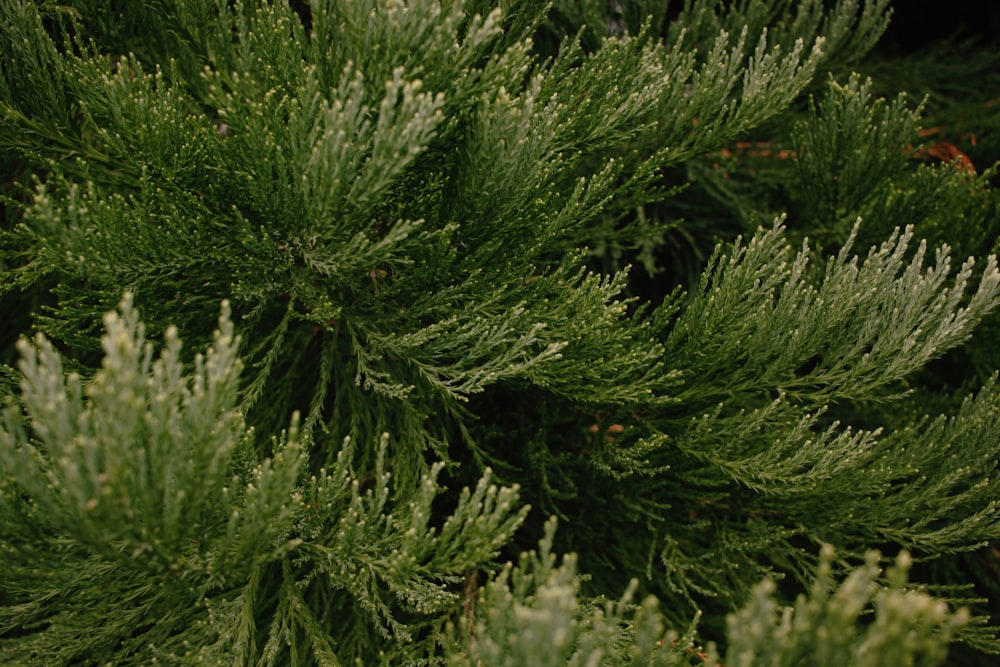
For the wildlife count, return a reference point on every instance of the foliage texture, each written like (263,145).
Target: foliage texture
(678,276)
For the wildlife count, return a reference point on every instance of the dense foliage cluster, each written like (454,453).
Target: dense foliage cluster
(516,333)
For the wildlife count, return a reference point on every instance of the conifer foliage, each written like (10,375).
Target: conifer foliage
(396,239)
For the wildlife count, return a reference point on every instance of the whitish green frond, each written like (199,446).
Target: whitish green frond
(909,627)
(849,35)
(758,316)
(141,447)
(849,29)
(532,614)
(765,346)
(143,484)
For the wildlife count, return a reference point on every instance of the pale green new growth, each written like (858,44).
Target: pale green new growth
(759,313)
(909,627)
(531,615)
(141,449)
(143,480)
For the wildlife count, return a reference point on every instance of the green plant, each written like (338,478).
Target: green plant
(421,218)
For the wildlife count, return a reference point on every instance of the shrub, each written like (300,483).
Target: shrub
(481,265)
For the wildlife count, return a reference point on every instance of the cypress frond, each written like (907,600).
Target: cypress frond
(680,275)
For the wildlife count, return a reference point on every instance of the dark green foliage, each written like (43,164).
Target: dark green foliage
(420,218)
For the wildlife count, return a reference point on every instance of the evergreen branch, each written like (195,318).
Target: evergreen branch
(164,458)
(822,630)
(112,462)
(405,204)
(149,491)
(532,614)
(863,328)
(384,559)
(939,477)
(836,173)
